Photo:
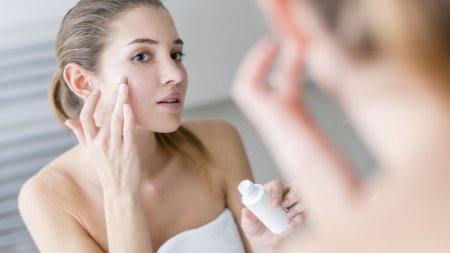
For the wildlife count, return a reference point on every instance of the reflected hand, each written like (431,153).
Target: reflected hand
(276,108)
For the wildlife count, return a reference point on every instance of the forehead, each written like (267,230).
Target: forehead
(149,22)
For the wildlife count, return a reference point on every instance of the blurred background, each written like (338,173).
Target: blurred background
(217,34)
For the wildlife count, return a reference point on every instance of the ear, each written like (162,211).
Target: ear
(77,78)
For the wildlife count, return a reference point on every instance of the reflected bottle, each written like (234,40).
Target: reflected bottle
(255,198)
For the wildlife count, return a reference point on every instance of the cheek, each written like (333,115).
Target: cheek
(142,85)
(141,94)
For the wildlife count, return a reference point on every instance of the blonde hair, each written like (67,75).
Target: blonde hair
(81,39)
(418,31)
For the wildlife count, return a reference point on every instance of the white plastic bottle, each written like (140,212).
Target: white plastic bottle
(255,198)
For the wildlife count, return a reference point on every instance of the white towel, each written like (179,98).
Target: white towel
(219,236)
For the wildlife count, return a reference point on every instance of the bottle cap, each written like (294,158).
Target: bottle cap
(246,188)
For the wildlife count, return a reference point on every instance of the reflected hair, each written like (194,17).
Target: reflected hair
(417,31)
(82,37)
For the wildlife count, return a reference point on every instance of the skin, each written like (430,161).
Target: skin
(388,100)
(118,191)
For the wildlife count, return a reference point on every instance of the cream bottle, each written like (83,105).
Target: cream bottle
(255,198)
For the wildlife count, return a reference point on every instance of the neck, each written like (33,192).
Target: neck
(152,156)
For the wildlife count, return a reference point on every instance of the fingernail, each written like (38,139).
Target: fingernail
(292,213)
(120,80)
(126,107)
(276,202)
(294,224)
(95,92)
(122,88)
(285,203)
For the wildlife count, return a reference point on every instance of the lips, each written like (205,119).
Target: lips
(174,98)
(169,101)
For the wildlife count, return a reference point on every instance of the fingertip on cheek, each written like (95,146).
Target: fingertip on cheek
(121,79)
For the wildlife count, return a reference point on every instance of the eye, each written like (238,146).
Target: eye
(178,56)
(141,57)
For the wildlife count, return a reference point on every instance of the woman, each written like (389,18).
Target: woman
(138,181)
(387,64)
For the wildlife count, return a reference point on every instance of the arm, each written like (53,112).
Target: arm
(278,112)
(126,223)
(256,236)
(236,170)
(289,131)
(112,151)
(114,159)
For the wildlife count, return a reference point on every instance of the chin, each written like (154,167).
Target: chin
(166,130)
(161,126)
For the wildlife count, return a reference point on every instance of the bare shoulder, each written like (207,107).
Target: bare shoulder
(50,190)
(38,195)
(47,204)
(224,143)
(214,133)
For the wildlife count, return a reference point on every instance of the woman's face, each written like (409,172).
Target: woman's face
(145,48)
(377,94)
(338,72)
(323,57)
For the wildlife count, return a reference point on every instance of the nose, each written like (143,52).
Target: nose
(172,72)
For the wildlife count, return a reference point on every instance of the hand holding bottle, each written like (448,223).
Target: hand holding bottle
(278,209)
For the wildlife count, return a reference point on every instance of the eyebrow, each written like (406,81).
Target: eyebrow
(154,42)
